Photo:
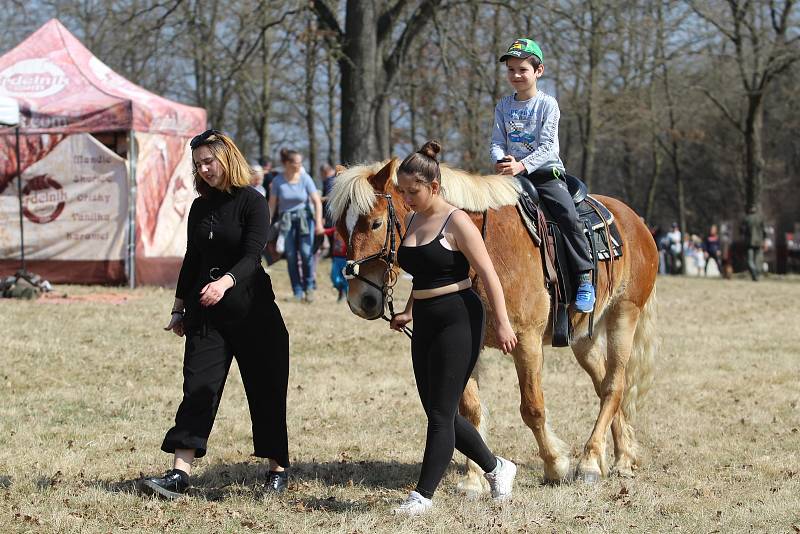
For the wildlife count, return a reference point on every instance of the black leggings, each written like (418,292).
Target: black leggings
(448,334)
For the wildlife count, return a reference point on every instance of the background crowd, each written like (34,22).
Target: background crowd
(694,253)
(307,237)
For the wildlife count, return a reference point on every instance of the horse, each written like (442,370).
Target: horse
(619,355)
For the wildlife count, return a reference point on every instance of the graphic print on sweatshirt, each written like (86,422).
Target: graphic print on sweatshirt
(521,128)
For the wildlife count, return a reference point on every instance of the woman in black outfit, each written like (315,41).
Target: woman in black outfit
(438,248)
(225,306)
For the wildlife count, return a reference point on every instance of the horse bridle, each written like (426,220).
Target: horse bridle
(387,255)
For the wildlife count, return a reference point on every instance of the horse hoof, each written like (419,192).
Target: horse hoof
(557,473)
(588,477)
(471,489)
(622,472)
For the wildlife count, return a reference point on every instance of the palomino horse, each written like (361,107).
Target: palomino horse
(618,356)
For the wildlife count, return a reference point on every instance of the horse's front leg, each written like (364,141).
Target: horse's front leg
(528,361)
(471,408)
(621,325)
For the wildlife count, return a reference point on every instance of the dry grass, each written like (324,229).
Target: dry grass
(90,386)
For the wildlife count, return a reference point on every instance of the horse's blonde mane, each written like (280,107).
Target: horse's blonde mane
(470,192)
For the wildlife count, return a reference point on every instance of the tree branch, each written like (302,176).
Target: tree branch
(722,107)
(327,19)
(708,18)
(387,18)
(413,28)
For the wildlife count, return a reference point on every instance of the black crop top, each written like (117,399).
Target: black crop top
(431,264)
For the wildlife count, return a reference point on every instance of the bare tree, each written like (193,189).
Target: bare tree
(765,41)
(372,52)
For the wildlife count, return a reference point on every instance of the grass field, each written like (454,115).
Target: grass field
(90,383)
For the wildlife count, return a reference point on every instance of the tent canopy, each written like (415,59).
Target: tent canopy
(64,94)
(63,88)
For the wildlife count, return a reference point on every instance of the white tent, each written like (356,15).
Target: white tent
(9,111)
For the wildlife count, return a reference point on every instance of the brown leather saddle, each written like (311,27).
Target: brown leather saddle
(600,229)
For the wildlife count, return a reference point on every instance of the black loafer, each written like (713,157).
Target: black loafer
(172,485)
(277,481)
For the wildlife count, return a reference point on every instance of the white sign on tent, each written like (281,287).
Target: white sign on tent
(74,203)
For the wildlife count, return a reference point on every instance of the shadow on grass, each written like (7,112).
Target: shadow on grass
(219,482)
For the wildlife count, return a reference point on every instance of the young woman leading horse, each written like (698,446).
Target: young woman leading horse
(618,356)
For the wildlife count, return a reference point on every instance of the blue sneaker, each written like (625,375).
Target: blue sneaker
(584,300)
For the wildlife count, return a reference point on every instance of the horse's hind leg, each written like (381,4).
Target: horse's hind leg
(620,327)
(528,361)
(472,410)
(591,355)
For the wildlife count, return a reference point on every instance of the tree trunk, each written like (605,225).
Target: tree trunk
(265,97)
(754,159)
(589,148)
(382,127)
(673,147)
(412,111)
(653,186)
(358,82)
(331,129)
(311,133)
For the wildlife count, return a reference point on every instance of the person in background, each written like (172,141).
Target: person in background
(328,174)
(754,232)
(257,178)
(268,173)
(725,246)
(294,201)
(674,250)
(697,253)
(711,247)
(338,262)
(225,307)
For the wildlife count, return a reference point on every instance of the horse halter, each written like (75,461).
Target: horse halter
(387,255)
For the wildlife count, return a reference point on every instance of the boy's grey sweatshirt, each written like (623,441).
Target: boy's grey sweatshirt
(527,130)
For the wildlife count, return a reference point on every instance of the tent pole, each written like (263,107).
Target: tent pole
(19,194)
(131,209)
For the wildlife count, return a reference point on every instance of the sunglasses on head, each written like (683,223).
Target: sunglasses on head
(203,138)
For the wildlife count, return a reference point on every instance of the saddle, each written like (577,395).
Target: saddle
(600,229)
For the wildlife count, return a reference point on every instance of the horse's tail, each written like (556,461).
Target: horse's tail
(640,368)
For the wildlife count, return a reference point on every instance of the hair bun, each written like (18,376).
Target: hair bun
(284,153)
(431,149)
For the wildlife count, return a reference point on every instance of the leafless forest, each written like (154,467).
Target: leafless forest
(686,109)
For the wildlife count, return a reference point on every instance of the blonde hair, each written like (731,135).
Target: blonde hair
(235,170)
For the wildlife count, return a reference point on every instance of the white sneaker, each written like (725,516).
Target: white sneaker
(415,504)
(501,480)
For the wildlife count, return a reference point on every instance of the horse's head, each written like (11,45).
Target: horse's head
(369,217)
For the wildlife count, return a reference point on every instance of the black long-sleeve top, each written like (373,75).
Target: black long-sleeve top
(226,234)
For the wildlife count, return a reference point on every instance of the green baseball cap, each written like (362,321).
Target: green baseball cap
(523,48)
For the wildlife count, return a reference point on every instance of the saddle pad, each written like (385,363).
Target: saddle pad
(528,213)
(586,213)
(592,217)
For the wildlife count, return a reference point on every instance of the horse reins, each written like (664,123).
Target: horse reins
(386,254)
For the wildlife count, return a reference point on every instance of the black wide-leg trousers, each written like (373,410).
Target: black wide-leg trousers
(260,344)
